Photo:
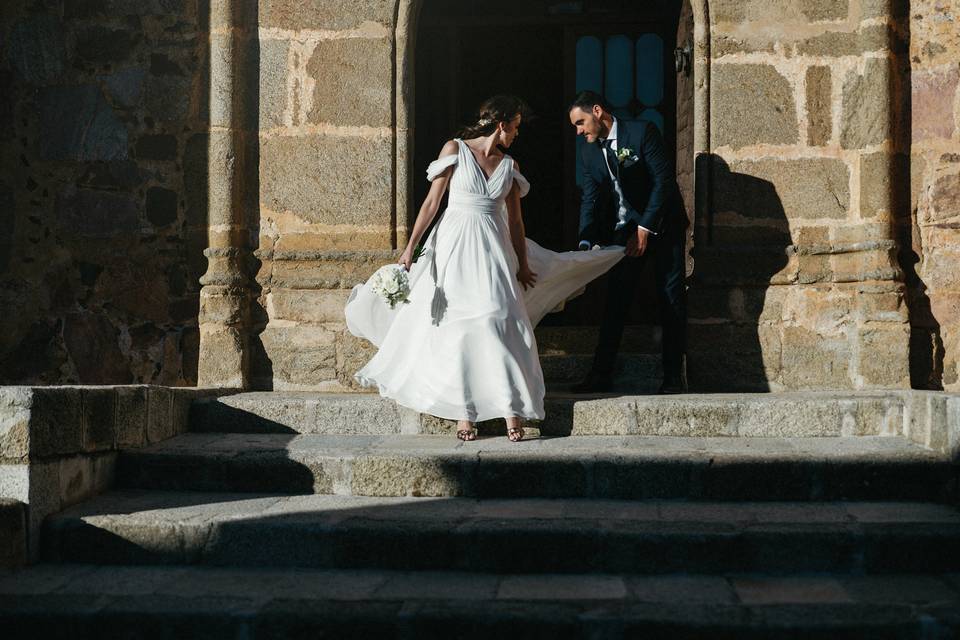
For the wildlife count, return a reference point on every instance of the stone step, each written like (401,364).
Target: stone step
(516,536)
(781,414)
(628,467)
(346,414)
(228,603)
(82,601)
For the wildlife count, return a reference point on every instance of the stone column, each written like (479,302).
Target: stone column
(225,296)
(796,283)
(331,206)
(929,220)
(405,36)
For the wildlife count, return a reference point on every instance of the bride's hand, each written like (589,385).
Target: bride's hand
(526,277)
(406,258)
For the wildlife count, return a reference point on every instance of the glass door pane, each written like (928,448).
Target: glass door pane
(589,64)
(618,85)
(649,70)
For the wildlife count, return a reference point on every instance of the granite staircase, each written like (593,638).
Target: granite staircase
(821,515)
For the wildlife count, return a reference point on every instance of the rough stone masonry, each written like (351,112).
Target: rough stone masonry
(267,147)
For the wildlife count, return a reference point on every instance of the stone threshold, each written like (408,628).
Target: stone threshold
(930,419)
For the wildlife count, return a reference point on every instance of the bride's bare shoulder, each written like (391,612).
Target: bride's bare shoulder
(449,148)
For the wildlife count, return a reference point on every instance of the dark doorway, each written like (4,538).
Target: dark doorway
(545,51)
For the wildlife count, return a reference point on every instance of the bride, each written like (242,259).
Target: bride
(462,347)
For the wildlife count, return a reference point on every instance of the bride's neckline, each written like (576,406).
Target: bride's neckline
(479,166)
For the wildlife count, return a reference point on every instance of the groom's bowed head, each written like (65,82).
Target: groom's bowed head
(591,116)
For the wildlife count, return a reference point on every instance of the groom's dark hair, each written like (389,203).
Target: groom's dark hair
(586,99)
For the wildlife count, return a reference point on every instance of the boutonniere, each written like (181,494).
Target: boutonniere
(626,157)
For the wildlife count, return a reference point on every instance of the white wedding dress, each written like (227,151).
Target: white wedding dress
(473,356)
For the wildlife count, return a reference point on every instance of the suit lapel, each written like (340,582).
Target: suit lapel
(624,141)
(610,160)
(600,162)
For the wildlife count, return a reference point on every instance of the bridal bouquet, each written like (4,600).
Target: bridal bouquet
(392,284)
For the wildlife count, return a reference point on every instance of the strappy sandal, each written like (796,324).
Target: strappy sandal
(467,435)
(515,434)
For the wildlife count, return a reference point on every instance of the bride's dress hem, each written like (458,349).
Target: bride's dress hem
(440,412)
(479,360)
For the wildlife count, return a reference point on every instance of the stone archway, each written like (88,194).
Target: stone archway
(408,15)
(567,335)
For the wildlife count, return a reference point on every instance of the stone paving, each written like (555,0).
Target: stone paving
(266,584)
(287,515)
(261,603)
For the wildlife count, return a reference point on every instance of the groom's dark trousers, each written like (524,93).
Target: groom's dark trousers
(652,200)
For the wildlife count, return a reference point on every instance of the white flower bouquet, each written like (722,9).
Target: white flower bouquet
(392,283)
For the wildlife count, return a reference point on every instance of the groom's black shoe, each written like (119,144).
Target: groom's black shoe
(594,383)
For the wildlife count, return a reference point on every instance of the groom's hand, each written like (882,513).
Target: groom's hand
(637,244)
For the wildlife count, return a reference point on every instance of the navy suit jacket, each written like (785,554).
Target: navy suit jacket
(647,184)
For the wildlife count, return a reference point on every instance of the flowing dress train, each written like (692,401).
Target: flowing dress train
(474,357)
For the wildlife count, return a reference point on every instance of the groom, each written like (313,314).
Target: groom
(630,197)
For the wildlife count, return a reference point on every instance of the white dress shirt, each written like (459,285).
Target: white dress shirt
(622,211)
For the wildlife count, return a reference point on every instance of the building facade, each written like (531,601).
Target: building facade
(192,188)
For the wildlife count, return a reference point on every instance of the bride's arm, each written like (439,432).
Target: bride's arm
(518,236)
(430,206)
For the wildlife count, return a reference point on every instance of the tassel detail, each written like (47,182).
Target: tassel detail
(439,305)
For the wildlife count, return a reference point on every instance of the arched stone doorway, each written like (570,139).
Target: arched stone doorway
(537,50)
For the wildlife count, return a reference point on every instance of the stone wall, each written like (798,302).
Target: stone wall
(59,445)
(109,152)
(13,534)
(327,212)
(796,283)
(930,225)
(103,232)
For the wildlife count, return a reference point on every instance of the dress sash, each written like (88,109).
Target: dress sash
(473,202)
